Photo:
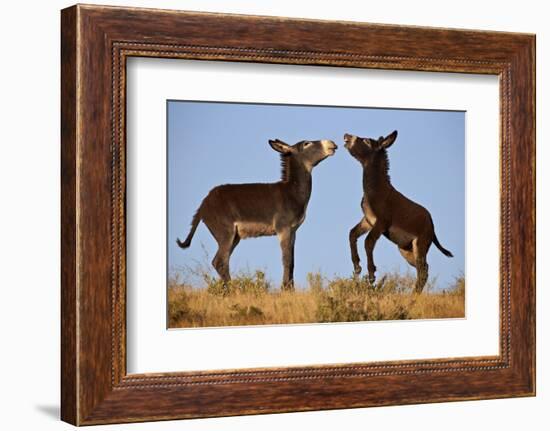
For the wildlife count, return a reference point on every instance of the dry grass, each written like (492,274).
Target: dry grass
(251,300)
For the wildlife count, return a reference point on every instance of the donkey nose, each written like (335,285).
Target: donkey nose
(348,141)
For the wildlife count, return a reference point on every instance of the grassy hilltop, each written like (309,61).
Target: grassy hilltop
(250,299)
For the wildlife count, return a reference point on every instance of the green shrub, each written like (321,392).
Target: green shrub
(243,282)
(355,299)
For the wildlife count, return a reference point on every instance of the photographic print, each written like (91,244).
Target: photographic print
(290,214)
(264,221)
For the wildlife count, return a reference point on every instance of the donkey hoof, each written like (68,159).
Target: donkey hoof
(372,279)
(357,270)
(287,286)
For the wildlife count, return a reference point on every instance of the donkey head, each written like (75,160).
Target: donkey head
(365,150)
(305,153)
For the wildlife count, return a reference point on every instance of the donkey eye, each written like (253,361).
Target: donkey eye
(307,144)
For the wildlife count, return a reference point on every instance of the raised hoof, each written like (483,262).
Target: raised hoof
(357,270)
(226,287)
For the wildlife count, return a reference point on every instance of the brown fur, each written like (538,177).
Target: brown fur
(387,212)
(237,211)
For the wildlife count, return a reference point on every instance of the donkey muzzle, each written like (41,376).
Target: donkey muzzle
(329,147)
(349,140)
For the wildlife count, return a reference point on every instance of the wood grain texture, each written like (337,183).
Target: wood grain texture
(96,41)
(69,367)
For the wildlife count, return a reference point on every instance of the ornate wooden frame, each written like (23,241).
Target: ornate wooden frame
(95,43)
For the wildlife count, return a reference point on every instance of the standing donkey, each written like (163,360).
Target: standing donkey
(387,212)
(237,211)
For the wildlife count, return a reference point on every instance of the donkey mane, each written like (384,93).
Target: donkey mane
(285,165)
(379,172)
(285,168)
(384,163)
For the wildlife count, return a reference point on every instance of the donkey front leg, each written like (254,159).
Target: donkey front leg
(370,242)
(357,231)
(287,238)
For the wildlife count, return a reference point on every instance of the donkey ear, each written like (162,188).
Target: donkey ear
(280,146)
(388,140)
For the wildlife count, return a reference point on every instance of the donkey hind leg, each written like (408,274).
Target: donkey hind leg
(226,245)
(357,231)
(370,242)
(287,239)
(420,250)
(408,255)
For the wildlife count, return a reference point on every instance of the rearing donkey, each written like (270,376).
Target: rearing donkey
(387,212)
(237,211)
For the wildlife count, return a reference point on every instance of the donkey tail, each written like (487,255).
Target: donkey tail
(194,223)
(441,248)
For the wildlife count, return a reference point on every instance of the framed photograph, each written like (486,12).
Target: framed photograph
(204,151)
(263,214)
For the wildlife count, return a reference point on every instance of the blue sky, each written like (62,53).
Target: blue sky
(217,143)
